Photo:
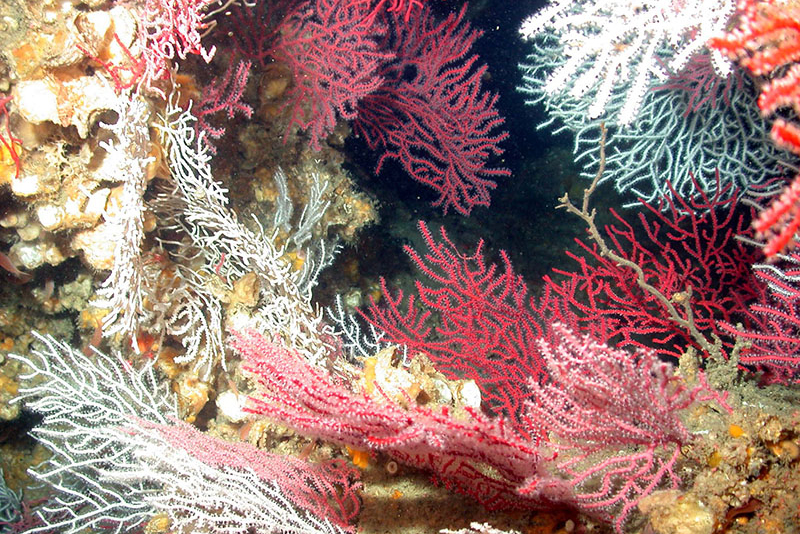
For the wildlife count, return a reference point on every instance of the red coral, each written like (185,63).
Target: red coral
(124,75)
(779,222)
(681,245)
(704,88)
(255,28)
(223,94)
(774,321)
(331,47)
(398,7)
(767,42)
(10,143)
(431,114)
(768,36)
(486,327)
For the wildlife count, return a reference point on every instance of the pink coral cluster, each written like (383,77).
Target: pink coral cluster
(454,450)
(170,30)
(600,399)
(606,427)
(223,95)
(773,322)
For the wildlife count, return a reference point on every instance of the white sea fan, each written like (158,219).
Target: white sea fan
(225,249)
(84,400)
(617,45)
(120,457)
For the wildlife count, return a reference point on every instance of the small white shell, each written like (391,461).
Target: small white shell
(36,101)
(470,394)
(50,216)
(230,405)
(26,185)
(29,254)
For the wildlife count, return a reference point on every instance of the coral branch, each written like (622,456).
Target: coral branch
(457,451)
(487,327)
(10,143)
(223,94)
(432,115)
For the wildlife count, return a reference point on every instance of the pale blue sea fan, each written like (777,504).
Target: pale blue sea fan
(10,506)
(666,142)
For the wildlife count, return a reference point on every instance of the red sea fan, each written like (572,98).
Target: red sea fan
(774,321)
(479,322)
(767,43)
(431,114)
(686,250)
(476,320)
(331,48)
(223,94)
(473,455)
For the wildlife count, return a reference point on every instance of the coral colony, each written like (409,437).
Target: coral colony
(174,186)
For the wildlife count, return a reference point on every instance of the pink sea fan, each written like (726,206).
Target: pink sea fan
(613,420)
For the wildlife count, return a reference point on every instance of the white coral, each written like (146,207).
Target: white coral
(114,468)
(617,45)
(228,250)
(127,157)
